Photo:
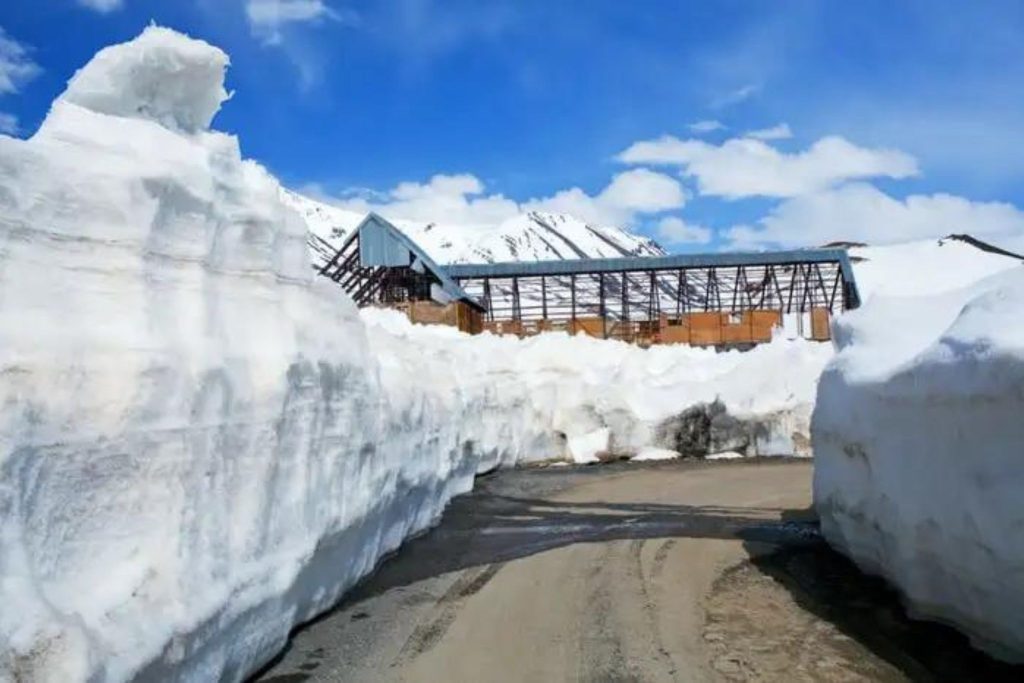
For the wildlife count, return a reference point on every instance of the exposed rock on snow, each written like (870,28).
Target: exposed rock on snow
(201,445)
(917,438)
(709,428)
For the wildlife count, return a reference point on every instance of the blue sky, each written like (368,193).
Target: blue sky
(879,121)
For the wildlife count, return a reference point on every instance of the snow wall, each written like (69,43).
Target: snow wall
(917,434)
(201,445)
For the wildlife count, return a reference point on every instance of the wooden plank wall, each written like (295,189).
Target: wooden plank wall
(709,328)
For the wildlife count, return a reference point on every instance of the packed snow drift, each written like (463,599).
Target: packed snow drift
(202,446)
(917,439)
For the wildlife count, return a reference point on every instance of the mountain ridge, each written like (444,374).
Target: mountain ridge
(530,236)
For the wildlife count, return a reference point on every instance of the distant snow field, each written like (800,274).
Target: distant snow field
(202,444)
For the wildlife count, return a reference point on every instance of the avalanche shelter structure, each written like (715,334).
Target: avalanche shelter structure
(726,299)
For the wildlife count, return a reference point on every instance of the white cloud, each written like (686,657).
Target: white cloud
(643,191)
(674,230)
(745,167)
(457,200)
(743,238)
(632,192)
(102,6)
(736,96)
(268,17)
(8,123)
(779,132)
(16,67)
(425,28)
(462,201)
(862,213)
(706,126)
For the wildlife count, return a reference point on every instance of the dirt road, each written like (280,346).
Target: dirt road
(671,572)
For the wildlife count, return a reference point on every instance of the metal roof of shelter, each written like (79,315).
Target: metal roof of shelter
(648,263)
(381,244)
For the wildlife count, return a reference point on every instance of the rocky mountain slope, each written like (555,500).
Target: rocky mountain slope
(533,236)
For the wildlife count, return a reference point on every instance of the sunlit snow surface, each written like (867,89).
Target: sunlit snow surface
(918,434)
(201,445)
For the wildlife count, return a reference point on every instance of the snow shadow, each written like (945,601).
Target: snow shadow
(869,610)
(510,515)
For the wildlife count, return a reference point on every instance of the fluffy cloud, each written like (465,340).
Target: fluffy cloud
(16,67)
(643,191)
(457,200)
(674,230)
(462,200)
(102,6)
(779,132)
(8,123)
(637,191)
(268,17)
(706,126)
(862,213)
(746,167)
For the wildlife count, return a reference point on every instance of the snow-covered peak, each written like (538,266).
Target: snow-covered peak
(161,76)
(541,236)
(533,236)
(326,221)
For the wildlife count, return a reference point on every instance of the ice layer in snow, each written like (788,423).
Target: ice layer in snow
(201,445)
(917,439)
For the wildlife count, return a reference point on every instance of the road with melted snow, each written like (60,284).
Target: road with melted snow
(663,572)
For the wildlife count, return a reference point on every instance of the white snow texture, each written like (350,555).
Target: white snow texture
(917,437)
(200,445)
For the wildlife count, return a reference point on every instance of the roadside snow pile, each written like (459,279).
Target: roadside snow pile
(201,447)
(924,267)
(917,438)
(608,398)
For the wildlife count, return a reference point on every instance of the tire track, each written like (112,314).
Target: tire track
(660,556)
(425,636)
(648,606)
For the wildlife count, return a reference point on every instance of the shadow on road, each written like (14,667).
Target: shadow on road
(481,530)
(868,610)
(507,517)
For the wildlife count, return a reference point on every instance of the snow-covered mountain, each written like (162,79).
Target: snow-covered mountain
(533,236)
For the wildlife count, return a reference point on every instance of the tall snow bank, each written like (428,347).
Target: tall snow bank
(200,446)
(917,438)
(611,398)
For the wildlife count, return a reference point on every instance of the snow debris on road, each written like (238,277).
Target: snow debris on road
(201,446)
(917,439)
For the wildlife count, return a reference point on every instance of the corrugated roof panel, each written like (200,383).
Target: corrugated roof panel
(617,265)
(380,247)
